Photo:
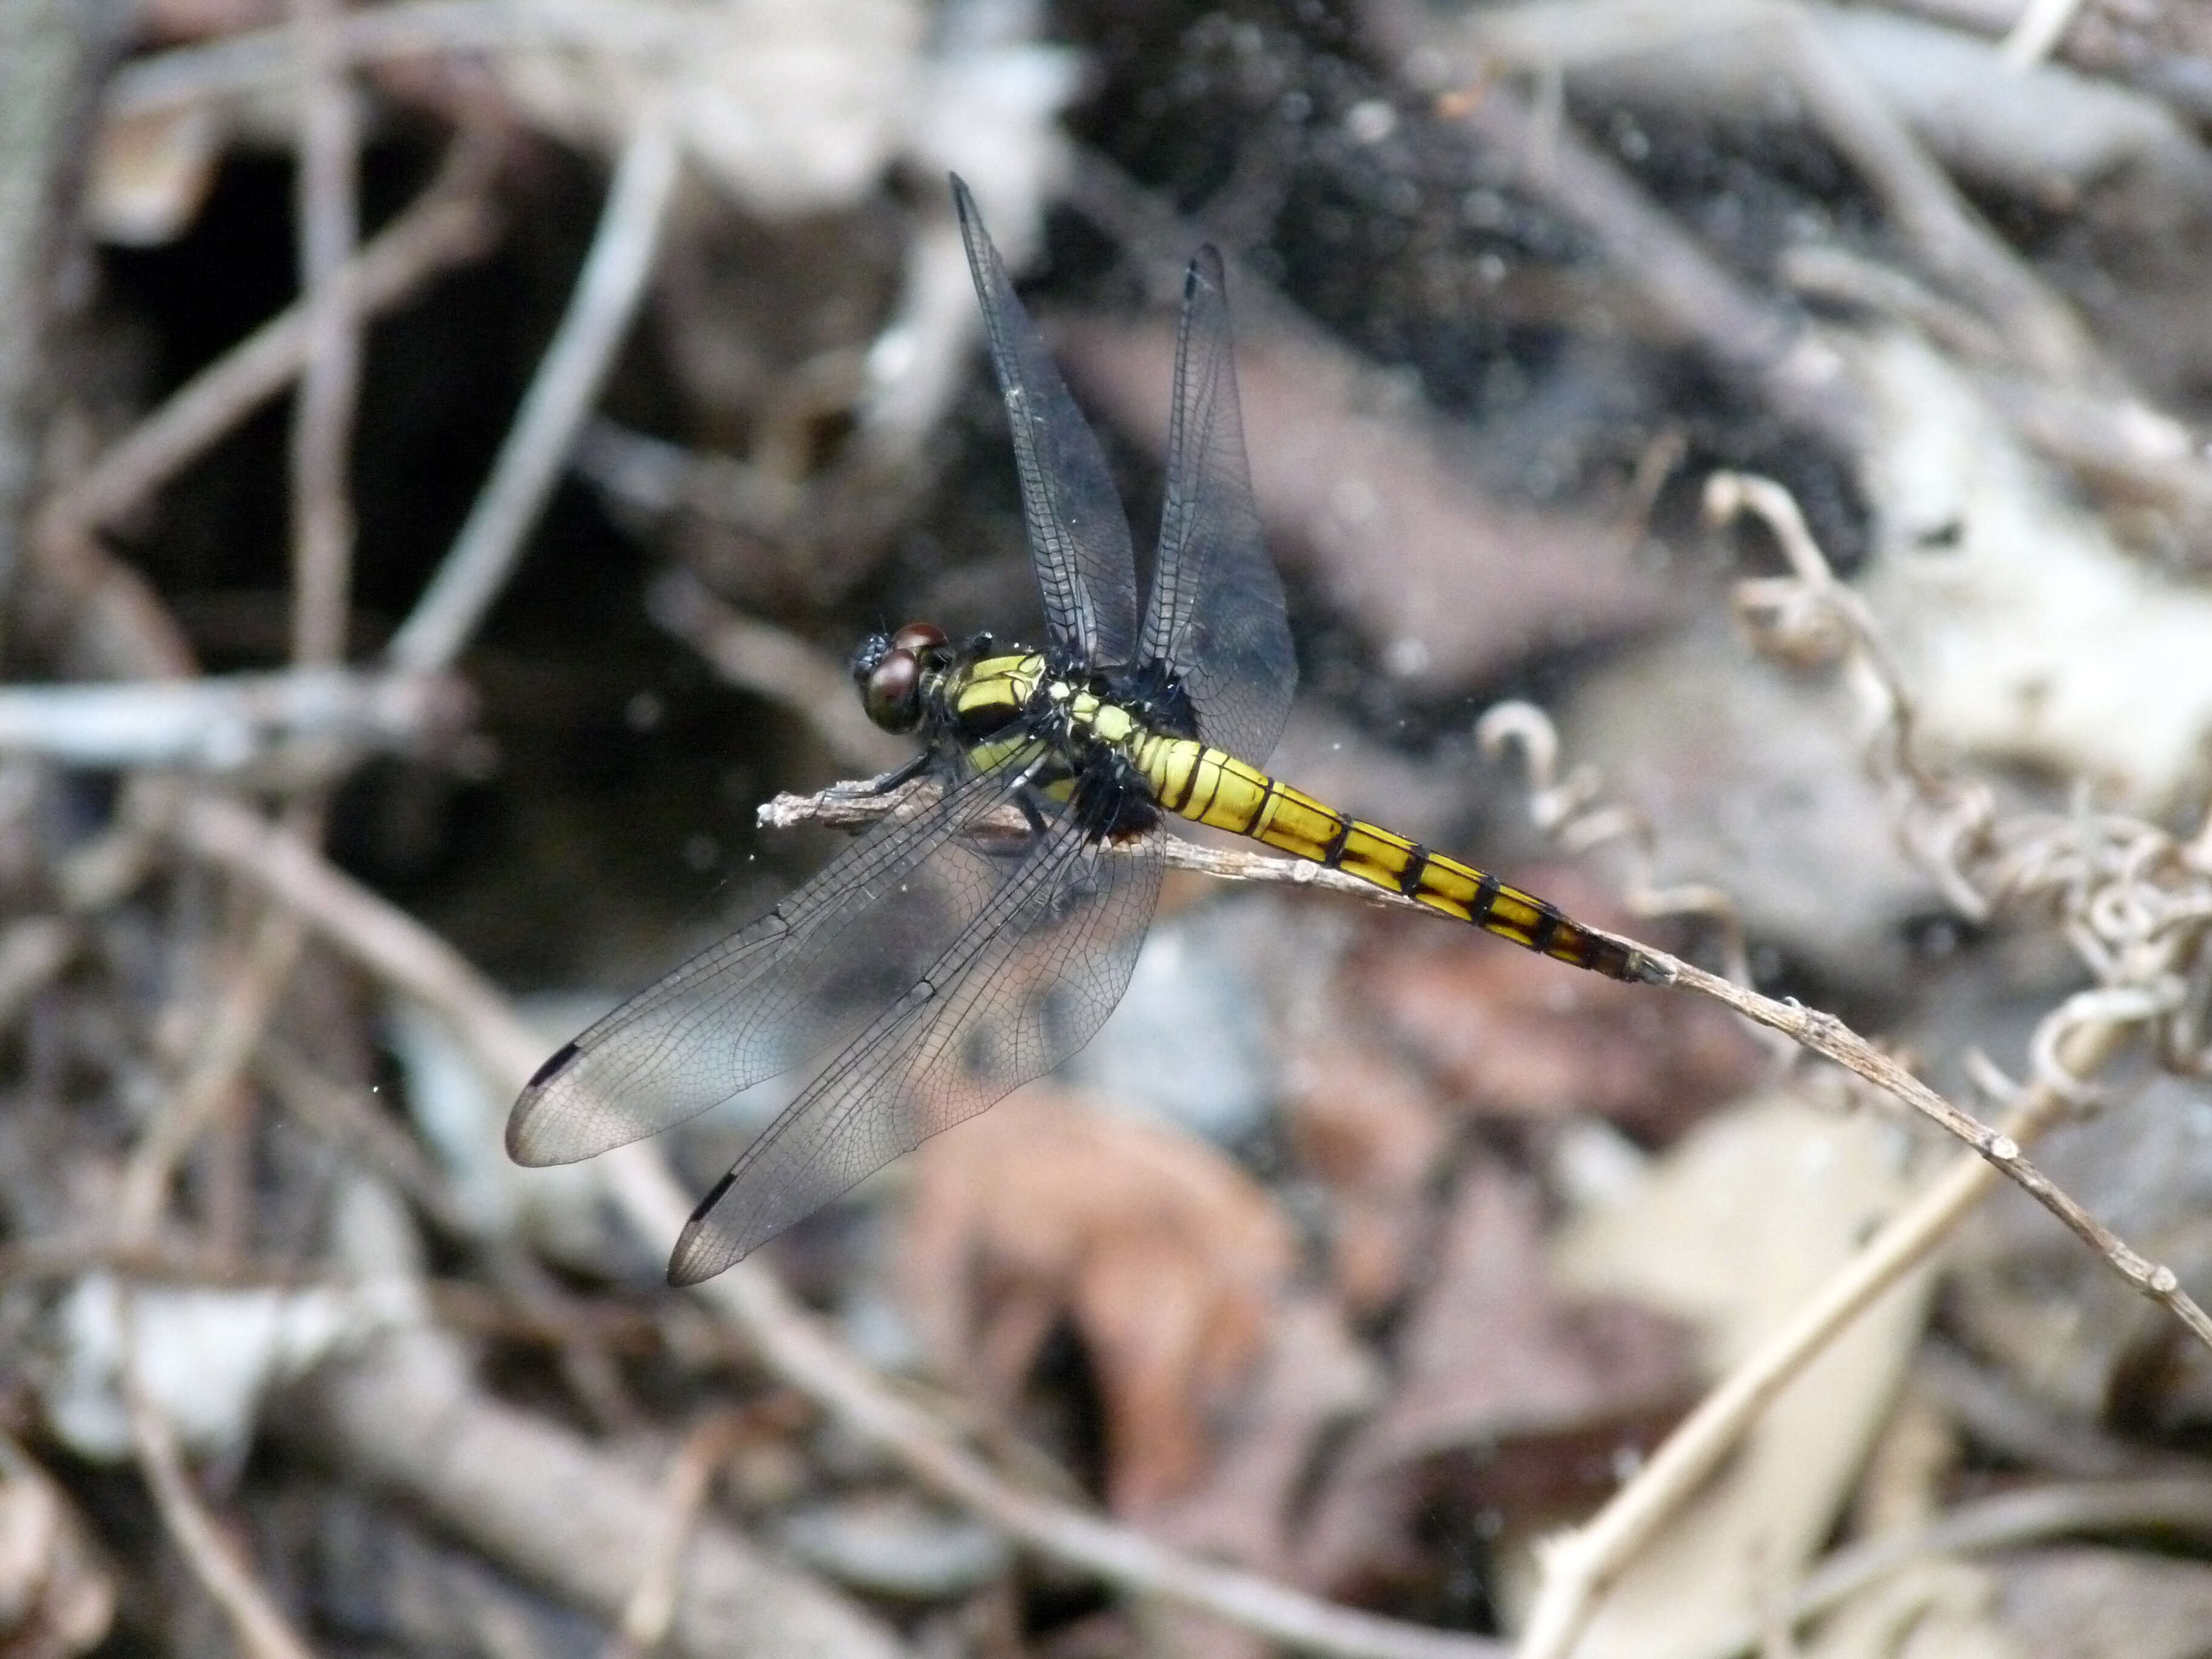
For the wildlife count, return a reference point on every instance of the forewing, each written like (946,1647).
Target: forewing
(1078,534)
(1026,984)
(1216,617)
(772,996)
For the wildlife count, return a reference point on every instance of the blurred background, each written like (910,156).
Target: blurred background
(1737,468)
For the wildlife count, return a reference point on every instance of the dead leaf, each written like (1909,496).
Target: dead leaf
(1161,1254)
(1313,1376)
(1734,1228)
(1506,1386)
(1513,1035)
(1365,1126)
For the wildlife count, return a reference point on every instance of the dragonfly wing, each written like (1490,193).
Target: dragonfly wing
(1024,985)
(1217,617)
(775,994)
(1078,534)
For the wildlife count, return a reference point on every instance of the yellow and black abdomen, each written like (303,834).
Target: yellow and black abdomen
(1210,787)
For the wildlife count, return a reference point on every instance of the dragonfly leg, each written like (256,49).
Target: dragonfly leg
(1025,799)
(893,780)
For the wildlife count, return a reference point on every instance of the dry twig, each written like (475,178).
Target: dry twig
(262,1630)
(417,962)
(2006,1521)
(771,664)
(231,723)
(1751,339)
(448,225)
(406,1415)
(1822,1033)
(651,1609)
(1955,245)
(329,212)
(608,291)
(2138,936)
(227,1044)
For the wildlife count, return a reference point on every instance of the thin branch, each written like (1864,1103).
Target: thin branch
(1578,1567)
(228,724)
(1952,239)
(650,1613)
(262,1630)
(49,1261)
(600,312)
(415,962)
(1765,42)
(2000,1415)
(259,61)
(329,211)
(2042,24)
(248,999)
(392,944)
(1744,334)
(2138,947)
(1822,1033)
(773,664)
(1827,1035)
(2007,1522)
(349,1118)
(448,225)
(33,951)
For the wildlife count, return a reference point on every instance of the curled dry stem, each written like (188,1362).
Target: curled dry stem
(1567,810)
(2133,899)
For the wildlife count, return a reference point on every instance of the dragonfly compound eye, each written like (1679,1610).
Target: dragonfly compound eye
(892,694)
(920,638)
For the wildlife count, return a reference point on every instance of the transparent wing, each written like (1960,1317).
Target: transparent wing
(1025,984)
(1216,617)
(770,997)
(1078,534)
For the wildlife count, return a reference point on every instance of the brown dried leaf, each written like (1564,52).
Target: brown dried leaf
(1513,1035)
(1497,1363)
(1315,1375)
(1162,1253)
(1366,1127)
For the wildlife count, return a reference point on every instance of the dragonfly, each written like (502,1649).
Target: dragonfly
(940,966)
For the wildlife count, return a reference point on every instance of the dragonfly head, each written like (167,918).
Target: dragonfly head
(888,670)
